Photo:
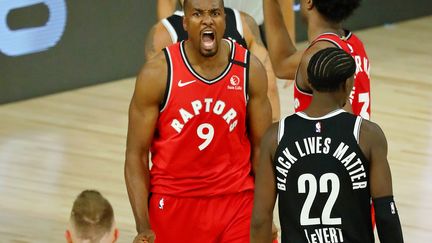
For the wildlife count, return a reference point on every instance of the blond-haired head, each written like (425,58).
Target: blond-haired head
(91,219)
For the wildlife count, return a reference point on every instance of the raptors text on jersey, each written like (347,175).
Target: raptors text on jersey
(201,146)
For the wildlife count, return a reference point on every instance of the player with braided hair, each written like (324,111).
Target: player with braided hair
(324,29)
(325,165)
(327,71)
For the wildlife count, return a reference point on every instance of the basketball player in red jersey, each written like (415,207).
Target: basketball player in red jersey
(323,19)
(200,107)
(240,27)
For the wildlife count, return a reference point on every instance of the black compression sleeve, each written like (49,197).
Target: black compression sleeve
(387,220)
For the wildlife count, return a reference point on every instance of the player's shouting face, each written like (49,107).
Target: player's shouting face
(204,21)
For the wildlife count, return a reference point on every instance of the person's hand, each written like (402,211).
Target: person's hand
(274,232)
(147,236)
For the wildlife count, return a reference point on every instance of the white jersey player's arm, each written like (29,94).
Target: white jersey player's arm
(256,46)
(157,39)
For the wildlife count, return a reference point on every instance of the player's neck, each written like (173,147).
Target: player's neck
(322,104)
(318,25)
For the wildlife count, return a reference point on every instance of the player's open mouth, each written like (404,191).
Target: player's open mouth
(208,39)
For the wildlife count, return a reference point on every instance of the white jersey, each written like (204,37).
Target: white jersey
(252,7)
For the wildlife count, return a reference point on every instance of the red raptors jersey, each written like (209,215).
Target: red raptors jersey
(360,94)
(200,146)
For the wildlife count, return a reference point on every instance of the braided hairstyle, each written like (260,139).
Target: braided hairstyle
(336,10)
(329,68)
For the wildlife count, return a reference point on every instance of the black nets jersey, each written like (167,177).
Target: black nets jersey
(322,180)
(233,30)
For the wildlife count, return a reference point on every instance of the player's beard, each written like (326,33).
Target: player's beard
(209,53)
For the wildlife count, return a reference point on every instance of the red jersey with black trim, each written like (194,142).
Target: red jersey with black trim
(201,146)
(360,94)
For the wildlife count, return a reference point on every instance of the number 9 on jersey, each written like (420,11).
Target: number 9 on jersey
(205,131)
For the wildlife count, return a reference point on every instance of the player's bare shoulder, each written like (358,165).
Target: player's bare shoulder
(154,68)
(255,64)
(257,76)
(371,137)
(250,29)
(257,73)
(313,49)
(157,38)
(152,77)
(247,19)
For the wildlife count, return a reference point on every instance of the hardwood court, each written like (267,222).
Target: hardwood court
(51,148)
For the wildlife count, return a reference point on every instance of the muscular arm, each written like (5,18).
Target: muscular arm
(256,46)
(373,141)
(258,108)
(157,39)
(283,54)
(380,176)
(265,190)
(165,8)
(143,114)
(288,14)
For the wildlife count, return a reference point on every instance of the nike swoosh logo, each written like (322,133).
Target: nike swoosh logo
(182,84)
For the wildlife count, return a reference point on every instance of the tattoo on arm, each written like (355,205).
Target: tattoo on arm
(253,26)
(149,47)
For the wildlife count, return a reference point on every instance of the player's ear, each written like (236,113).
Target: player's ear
(349,85)
(309,4)
(116,234)
(185,24)
(68,236)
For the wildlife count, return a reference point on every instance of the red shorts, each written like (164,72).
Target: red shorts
(201,220)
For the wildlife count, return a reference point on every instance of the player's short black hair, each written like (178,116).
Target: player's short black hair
(185,2)
(329,68)
(336,10)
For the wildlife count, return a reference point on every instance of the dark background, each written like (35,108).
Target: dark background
(104,41)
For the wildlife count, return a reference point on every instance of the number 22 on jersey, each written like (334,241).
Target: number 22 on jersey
(323,188)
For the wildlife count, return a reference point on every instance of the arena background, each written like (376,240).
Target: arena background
(56,45)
